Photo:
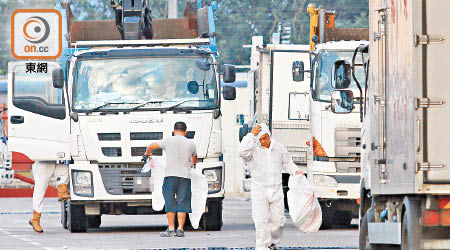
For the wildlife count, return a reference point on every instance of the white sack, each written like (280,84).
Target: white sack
(158,173)
(304,208)
(199,188)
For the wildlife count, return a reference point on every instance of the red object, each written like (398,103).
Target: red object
(444,203)
(21,162)
(445,218)
(431,218)
(25,192)
(23,178)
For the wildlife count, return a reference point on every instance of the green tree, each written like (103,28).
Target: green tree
(236,20)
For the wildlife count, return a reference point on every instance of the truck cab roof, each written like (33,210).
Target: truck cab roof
(142,51)
(340,45)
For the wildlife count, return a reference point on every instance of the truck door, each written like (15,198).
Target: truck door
(37,115)
(289,102)
(436,108)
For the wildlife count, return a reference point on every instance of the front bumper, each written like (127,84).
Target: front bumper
(99,192)
(346,188)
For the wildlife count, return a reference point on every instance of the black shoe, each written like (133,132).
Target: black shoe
(272,247)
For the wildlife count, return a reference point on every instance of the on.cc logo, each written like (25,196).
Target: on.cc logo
(36,29)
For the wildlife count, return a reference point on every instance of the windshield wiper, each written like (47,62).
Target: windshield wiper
(180,103)
(90,111)
(140,105)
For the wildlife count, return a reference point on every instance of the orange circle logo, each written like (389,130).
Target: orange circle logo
(36,29)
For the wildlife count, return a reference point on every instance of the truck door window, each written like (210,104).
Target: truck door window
(34,92)
(38,86)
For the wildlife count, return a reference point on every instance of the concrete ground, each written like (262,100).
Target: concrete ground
(142,231)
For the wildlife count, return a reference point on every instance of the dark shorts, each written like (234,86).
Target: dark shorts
(177,194)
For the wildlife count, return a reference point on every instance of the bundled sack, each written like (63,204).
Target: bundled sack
(304,208)
(199,188)
(158,173)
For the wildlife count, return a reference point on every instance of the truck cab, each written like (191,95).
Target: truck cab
(334,143)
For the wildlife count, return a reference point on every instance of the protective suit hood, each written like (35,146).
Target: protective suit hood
(264,130)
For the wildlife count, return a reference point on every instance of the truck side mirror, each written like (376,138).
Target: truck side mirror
(298,71)
(243,131)
(342,101)
(229,73)
(58,78)
(229,93)
(342,73)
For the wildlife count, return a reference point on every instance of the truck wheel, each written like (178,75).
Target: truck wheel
(411,228)
(94,221)
(327,215)
(364,231)
(343,218)
(64,214)
(212,219)
(76,218)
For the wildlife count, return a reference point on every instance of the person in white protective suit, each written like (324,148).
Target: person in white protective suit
(42,172)
(267,160)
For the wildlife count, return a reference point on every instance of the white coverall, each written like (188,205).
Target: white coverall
(266,166)
(42,172)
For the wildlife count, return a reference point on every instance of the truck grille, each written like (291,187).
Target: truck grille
(140,151)
(121,179)
(348,167)
(347,142)
(298,153)
(108,136)
(112,151)
(146,136)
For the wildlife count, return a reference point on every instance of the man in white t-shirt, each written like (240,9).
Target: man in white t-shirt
(181,155)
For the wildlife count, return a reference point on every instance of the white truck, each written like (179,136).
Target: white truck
(277,100)
(405,186)
(108,100)
(334,142)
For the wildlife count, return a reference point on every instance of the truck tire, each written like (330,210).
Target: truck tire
(342,218)
(94,221)
(364,232)
(327,215)
(76,218)
(411,228)
(64,214)
(212,219)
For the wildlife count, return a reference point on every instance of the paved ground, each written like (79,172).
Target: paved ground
(142,232)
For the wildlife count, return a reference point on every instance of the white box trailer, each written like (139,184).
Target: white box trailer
(405,187)
(277,100)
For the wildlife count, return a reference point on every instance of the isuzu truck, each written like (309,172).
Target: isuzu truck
(107,98)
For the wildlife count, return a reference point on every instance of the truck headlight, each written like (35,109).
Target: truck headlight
(325,180)
(82,183)
(214,179)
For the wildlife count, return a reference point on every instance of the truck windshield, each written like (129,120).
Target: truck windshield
(143,84)
(322,88)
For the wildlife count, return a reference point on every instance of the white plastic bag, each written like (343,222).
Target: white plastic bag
(304,208)
(148,166)
(199,188)
(158,173)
